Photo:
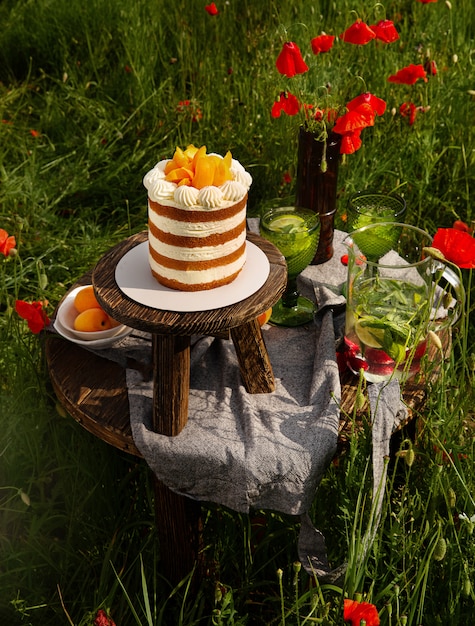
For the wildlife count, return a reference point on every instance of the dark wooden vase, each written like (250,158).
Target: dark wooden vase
(317,186)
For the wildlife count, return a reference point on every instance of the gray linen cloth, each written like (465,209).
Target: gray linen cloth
(248,451)
(241,450)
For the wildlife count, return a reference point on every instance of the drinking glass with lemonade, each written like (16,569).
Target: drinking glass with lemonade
(295,232)
(367,207)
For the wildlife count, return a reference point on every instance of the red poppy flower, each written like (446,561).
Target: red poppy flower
(34,314)
(212,9)
(408,109)
(322,43)
(290,61)
(354,612)
(385,31)
(350,142)
(102,619)
(358,33)
(426,1)
(378,105)
(7,242)
(357,118)
(408,75)
(457,246)
(34,133)
(287,103)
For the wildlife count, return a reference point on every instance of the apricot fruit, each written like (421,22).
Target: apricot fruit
(263,318)
(92,320)
(86,299)
(114,323)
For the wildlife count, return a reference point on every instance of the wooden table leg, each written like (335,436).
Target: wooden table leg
(177,517)
(179,530)
(254,363)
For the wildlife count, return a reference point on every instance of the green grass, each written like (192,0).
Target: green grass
(101,83)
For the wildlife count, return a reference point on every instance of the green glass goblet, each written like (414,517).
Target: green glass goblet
(367,208)
(295,232)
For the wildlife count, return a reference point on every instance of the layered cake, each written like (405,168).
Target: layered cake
(197,219)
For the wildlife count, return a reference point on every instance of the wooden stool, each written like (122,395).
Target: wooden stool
(171,332)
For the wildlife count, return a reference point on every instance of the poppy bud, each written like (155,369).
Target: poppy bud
(451,498)
(409,457)
(467,587)
(440,549)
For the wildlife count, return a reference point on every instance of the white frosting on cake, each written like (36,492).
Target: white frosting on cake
(197,278)
(183,196)
(186,196)
(201,253)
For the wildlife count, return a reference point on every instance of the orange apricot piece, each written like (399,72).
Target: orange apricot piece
(177,174)
(228,159)
(263,318)
(92,320)
(86,299)
(180,158)
(190,151)
(222,173)
(199,154)
(114,323)
(204,172)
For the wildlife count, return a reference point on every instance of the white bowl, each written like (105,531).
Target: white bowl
(66,315)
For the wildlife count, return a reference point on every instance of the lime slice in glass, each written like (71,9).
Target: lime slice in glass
(288,224)
(371,337)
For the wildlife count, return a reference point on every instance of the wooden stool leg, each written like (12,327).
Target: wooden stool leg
(171,358)
(254,363)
